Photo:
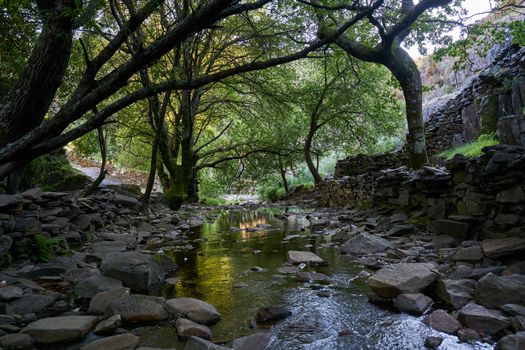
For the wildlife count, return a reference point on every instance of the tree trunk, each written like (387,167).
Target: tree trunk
(103,154)
(282,171)
(25,105)
(307,150)
(406,72)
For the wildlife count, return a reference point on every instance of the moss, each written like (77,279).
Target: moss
(174,197)
(472,149)
(44,246)
(53,172)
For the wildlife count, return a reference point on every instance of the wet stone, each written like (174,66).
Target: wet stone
(186,328)
(441,321)
(117,342)
(413,303)
(433,342)
(60,329)
(272,314)
(482,319)
(303,257)
(194,309)
(257,341)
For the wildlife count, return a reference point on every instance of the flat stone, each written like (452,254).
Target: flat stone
(16,341)
(392,280)
(98,304)
(10,293)
(186,328)
(497,248)
(451,227)
(512,342)
(194,309)
(196,343)
(285,270)
(495,291)
(257,341)
(125,341)
(400,230)
(272,314)
(413,303)
(60,329)
(95,284)
(136,270)
(441,321)
(125,201)
(482,319)
(312,277)
(103,248)
(109,325)
(136,308)
(30,303)
(456,293)
(365,243)
(10,201)
(303,257)
(469,254)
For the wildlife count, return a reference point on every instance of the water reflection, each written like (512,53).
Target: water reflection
(223,258)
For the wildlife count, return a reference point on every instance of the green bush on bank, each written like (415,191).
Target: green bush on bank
(472,149)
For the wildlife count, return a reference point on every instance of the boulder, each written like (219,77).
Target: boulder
(495,291)
(433,342)
(497,248)
(137,308)
(194,309)
(441,321)
(60,329)
(125,341)
(98,304)
(257,341)
(272,314)
(30,303)
(302,257)
(16,341)
(365,243)
(136,270)
(514,309)
(512,342)
(482,319)
(196,343)
(456,293)
(95,284)
(186,328)
(412,303)
(10,293)
(392,280)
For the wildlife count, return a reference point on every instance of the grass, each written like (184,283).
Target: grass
(472,149)
(44,246)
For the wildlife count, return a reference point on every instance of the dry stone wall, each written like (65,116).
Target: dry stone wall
(473,198)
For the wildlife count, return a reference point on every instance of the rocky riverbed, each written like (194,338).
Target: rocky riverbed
(248,277)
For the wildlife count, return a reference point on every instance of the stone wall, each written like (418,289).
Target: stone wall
(481,197)
(493,101)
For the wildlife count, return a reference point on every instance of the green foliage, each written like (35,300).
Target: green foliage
(44,246)
(472,149)
(53,172)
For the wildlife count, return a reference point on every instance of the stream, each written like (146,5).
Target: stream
(223,270)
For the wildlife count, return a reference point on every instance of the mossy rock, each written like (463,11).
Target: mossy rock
(174,198)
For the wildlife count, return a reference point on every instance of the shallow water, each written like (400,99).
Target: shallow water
(224,258)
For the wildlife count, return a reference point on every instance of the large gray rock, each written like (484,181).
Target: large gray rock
(187,328)
(16,341)
(393,280)
(125,341)
(196,343)
(303,257)
(482,319)
(137,308)
(512,342)
(30,303)
(365,243)
(136,270)
(469,254)
(10,201)
(413,303)
(98,304)
(60,329)
(456,293)
(11,292)
(497,248)
(440,320)
(495,291)
(194,309)
(272,314)
(257,341)
(93,285)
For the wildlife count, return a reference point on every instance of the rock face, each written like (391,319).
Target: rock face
(301,257)
(60,329)
(194,309)
(365,243)
(494,291)
(137,308)
(481,319)
(393,280)
(497,248)
(136,271)
(440,320)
